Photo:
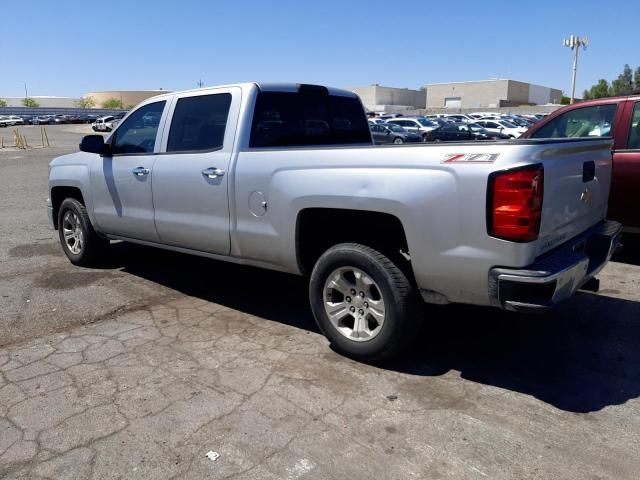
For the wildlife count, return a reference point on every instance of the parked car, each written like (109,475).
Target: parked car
(10,120)
(496,224)
(501,126)
(480,130)
(59,119)
(459,117)
(112,124)
(460,132)
(391,133)
(518,121)
(43,120)
(480,115)
(435,116)
(27,119)
(614,117)
(373,121)
(421,125)
(102,124)
(89,118)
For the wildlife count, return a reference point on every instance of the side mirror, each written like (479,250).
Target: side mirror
(92,144)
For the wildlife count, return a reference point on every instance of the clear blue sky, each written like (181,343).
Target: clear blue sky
(71,47)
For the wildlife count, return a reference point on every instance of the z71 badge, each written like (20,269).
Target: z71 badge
(470,157)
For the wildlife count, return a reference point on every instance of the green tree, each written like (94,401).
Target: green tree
(586,95)
(130,106)
(636,79)
(623,85)
(566,100)
(86,102)
(30,102)
(3,103)
(599,90)
(112,103)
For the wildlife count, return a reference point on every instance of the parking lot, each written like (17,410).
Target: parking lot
(140,368)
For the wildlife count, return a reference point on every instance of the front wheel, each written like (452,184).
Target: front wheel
(80,242)
(362,302)
(398,141)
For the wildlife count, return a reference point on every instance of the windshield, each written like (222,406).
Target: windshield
(394,128)
(506,124)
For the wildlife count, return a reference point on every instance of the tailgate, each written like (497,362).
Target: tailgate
(577,176)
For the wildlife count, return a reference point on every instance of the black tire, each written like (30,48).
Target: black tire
(397,292)
(92,248)
(398,141)
(425,138)
(94,128)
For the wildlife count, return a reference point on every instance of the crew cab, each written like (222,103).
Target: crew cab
(615,117)
(286,177)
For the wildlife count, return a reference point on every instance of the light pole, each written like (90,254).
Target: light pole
(574,43)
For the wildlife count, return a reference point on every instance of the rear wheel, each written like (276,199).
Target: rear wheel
(398,141)
(363,303)
(80,242)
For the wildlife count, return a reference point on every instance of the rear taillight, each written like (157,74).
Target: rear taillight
(514,203)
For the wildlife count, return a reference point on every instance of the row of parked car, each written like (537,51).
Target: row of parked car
(12,120)
(449,127)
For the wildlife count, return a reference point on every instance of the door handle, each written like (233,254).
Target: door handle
(213,172)
(140,171)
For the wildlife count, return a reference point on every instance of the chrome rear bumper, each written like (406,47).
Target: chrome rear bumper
(556,275)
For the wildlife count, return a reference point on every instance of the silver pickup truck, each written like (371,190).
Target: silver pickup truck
(286,177)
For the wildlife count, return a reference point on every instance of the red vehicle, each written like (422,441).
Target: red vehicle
(616,117)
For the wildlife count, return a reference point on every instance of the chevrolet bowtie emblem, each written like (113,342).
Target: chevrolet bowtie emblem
(586,196)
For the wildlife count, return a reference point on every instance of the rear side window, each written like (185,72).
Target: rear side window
(285,119)
(199,123)
(594,121)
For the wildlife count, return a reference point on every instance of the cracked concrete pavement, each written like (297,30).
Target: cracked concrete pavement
(138,369)
(150,392)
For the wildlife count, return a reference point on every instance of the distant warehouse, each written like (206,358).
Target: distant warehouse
(489,94)
(377,98)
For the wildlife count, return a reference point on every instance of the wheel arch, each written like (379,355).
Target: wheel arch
(312,237)
(59,194)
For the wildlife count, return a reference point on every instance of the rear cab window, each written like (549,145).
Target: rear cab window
(283,119)
(590,121)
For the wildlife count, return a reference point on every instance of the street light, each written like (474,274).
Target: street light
(574,43)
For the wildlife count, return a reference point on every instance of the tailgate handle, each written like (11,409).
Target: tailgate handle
(588,171)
